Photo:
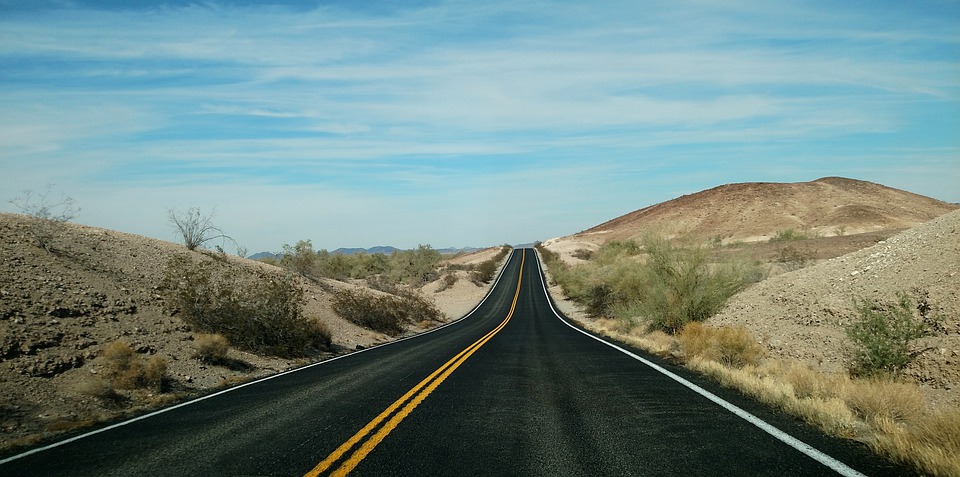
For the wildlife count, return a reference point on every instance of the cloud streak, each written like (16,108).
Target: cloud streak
(403,102)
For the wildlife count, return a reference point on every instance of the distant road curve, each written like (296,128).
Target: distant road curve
(512,389)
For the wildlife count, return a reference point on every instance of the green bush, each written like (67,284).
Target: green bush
(883,335)
(300,258)
(682,286)
(667,287)
(385,313)
(257,312)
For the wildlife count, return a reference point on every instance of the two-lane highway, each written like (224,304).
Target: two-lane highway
(512,389)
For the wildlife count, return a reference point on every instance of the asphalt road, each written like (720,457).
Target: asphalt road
(512,389)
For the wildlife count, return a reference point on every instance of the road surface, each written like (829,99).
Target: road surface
(512,389)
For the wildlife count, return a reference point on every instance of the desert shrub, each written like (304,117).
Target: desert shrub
(195,228)
(127,370)
(415,267)
(449,280)
(256,312)
(667,288)
(734,347)
(99,389)
(211,347)
(583,254)
(884,335)
(299,258)
(682,287)
(385,313)
(792,258)
(50,215)
(808,383)
(788,235)
(616,250)
(154,373)
(486,270)
(550,257)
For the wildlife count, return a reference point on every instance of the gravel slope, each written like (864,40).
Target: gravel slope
(802,314)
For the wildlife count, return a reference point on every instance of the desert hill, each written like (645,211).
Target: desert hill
(757,211)
(60,309)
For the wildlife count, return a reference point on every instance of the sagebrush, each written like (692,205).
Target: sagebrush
(257,312)
(386,313)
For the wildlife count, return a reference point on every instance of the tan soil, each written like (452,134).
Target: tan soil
(59,309)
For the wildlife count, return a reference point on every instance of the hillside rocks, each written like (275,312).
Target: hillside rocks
(802,314)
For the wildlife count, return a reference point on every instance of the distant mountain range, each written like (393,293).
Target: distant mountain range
(385,250)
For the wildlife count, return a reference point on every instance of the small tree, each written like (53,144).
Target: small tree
(51,214)
(195,228)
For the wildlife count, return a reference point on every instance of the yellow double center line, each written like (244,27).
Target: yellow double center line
(407,403)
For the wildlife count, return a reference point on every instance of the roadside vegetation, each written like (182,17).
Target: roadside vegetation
(869,403)
(257,312)
(408,267)
(384,312)
(658,284)
(397,277)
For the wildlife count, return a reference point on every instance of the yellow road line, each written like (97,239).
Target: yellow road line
(424,388)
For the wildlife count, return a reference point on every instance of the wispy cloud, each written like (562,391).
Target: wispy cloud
(401,103)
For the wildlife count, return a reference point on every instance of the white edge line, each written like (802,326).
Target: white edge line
(265,378)
(787,439)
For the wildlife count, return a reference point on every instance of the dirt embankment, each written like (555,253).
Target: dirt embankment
(802,314)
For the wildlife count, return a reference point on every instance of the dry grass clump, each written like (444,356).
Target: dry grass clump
(734,347)
(931,443)
(99,389)
(127,370)
(879,398)
(211,347)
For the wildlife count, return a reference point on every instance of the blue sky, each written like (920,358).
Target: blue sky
(461,123)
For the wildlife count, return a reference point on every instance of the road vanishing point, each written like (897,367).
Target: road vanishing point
(513,388)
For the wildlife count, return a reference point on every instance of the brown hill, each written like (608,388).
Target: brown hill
(756,211)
